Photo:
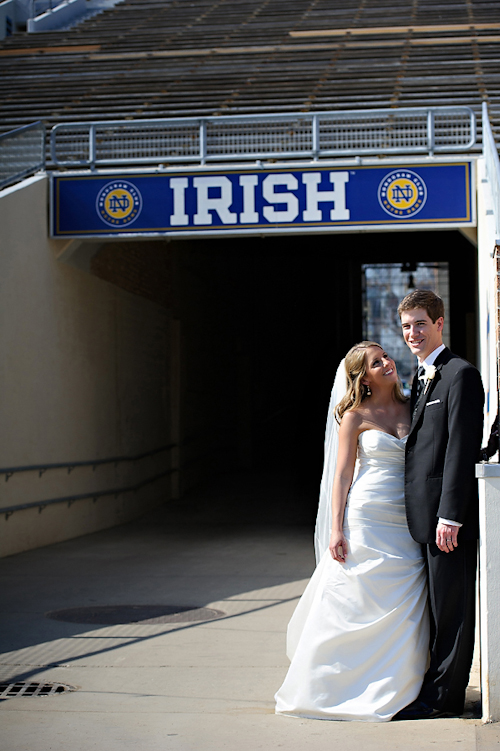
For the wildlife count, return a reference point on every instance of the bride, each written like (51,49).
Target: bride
(358,640)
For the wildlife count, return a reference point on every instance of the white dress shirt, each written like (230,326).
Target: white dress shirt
(430,359)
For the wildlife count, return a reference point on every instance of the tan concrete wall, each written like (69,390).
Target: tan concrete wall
(489,297)
(84,374)
(489,482)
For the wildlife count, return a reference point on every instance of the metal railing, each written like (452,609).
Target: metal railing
(42,468)
(22,153)
(37,7)
(420,130)
(94,494)
(492,160)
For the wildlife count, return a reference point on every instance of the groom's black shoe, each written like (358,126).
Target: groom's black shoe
(419,710)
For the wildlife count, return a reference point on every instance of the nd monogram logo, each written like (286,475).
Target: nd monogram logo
(119,203)
(402,193)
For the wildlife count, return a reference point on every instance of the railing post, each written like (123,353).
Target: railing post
(430,132)
(43,148)
(92,146)
(203,141)
(472,129)
(315,137)
(53,147)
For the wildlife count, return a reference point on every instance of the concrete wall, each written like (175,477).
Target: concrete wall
(7,15)
(17,11)
(489,474)
(84,375)
(488,302)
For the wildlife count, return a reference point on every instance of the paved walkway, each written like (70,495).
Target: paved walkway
(183,686)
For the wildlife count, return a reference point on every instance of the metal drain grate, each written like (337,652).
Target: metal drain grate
(28,688)
(114,615)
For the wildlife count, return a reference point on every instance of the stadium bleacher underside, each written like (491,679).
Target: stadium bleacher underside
(155,59)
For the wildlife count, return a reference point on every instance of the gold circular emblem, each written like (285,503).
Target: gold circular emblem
(119,203)
(402,193)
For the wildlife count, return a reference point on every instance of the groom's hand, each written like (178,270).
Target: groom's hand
(446,537)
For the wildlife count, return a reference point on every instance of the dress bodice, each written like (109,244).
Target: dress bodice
(377,448)
(377,492)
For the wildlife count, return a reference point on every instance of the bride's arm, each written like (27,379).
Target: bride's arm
(348,445)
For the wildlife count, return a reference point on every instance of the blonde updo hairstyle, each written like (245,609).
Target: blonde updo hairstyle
(356,391)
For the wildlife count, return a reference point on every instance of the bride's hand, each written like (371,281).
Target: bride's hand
(338,547)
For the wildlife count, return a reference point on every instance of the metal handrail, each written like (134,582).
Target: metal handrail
(47,3)
(41,468)
(412,130)
(492,160)
(22,153)
(69,499)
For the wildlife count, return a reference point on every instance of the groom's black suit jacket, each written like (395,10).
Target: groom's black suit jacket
(442,448)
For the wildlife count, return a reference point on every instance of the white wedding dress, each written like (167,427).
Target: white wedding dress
(359,638)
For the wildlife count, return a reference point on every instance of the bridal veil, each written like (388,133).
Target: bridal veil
(324,517)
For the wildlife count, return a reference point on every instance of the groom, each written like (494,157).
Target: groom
(441,499)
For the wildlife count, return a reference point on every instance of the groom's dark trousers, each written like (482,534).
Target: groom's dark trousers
(441,452)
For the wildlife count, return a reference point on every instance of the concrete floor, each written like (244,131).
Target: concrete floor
(185,686)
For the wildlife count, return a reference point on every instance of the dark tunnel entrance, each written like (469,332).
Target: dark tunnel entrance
(265,322)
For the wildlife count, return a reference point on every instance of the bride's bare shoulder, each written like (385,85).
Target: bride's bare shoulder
(357,420)
(352,420)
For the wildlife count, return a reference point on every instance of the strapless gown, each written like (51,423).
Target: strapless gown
(359,638)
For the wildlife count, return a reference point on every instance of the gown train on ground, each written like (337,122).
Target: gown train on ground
(359,638)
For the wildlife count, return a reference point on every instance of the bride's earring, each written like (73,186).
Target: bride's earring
(368,391)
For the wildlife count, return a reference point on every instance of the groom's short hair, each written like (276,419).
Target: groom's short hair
(423,298)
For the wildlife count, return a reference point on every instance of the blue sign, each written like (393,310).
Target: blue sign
(312,198)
